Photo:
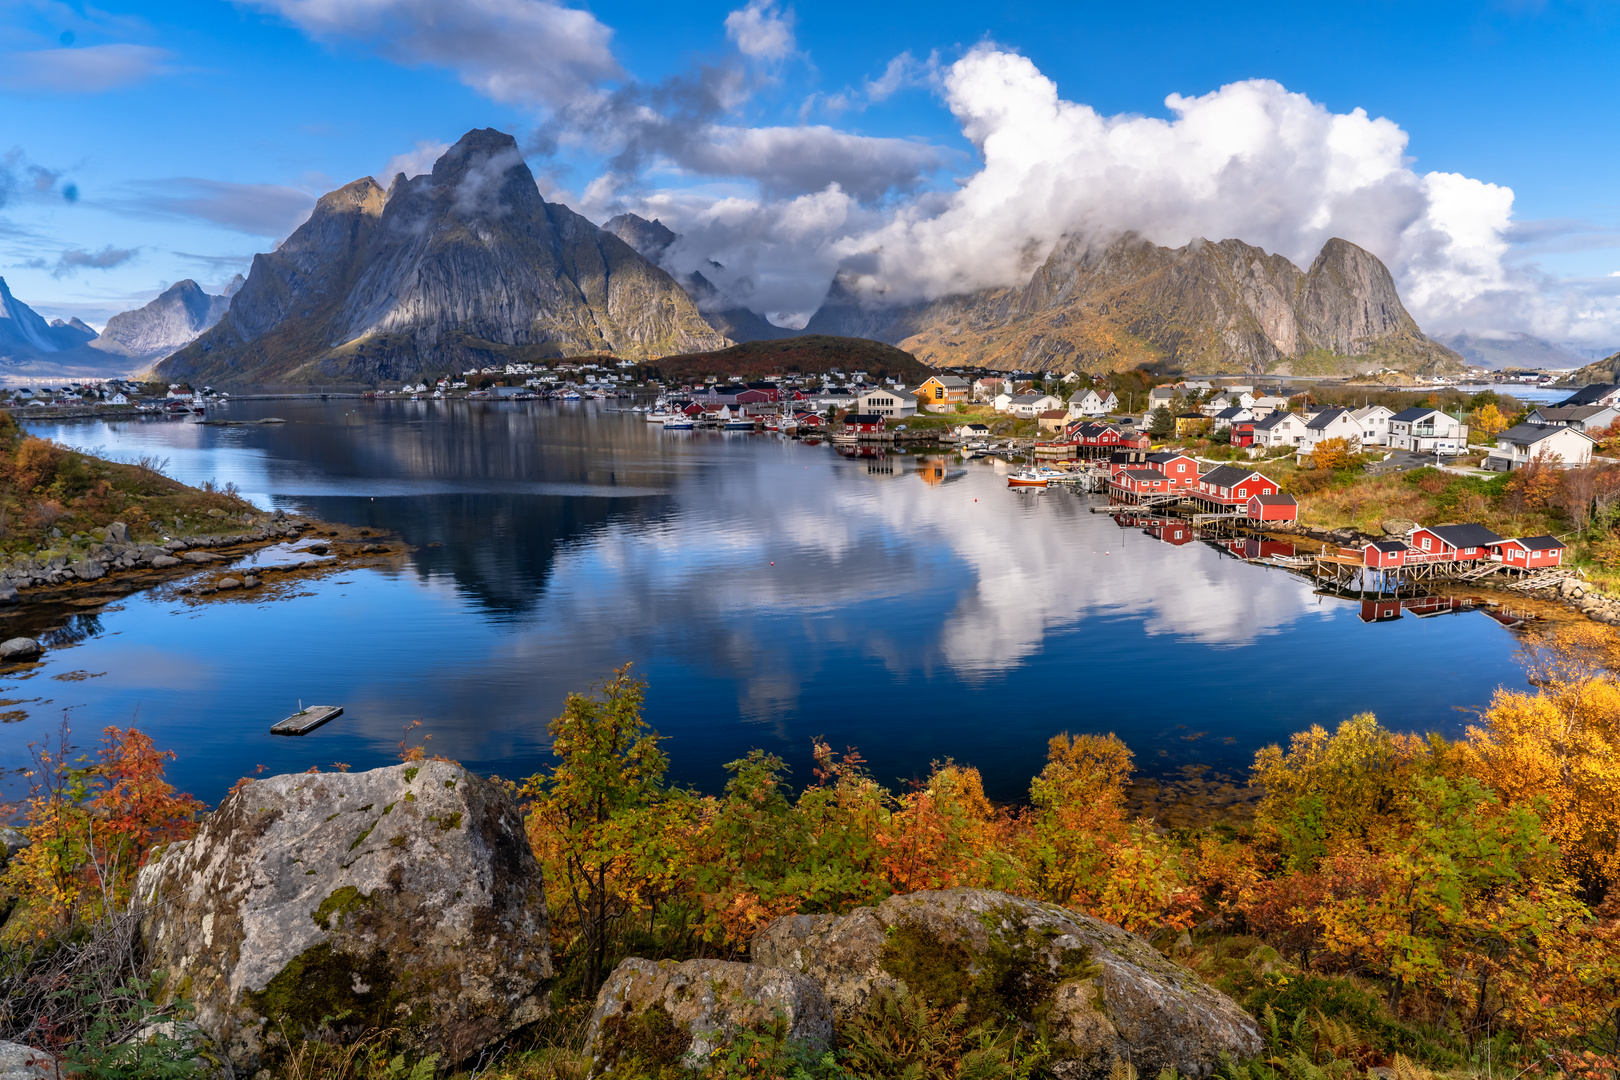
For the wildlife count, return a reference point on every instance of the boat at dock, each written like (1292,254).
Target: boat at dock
(679,423)
(307,720)
(1028,478)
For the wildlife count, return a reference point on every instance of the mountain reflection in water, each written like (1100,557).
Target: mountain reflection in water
(771,591)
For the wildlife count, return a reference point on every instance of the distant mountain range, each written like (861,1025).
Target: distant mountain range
(31,348)
(1210,307)
(1521,350)
(466,266)
(170,322)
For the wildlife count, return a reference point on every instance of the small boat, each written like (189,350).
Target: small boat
(659,416)
(738,425)
(570,396)
(1027,478)
(307,720)
(679,423)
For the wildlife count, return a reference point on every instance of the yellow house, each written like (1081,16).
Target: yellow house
(1190,424)
(942,389)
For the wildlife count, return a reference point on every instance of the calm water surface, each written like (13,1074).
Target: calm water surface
(770,591)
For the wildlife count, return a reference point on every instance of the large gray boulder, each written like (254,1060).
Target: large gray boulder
(669,1013)
(1101,994)
(20,648)
(19,1062)
(404,898)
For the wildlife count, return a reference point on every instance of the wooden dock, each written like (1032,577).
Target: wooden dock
(302,723)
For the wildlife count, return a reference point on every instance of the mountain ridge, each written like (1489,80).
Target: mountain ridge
(1213,306)
(169,322)
(465,265)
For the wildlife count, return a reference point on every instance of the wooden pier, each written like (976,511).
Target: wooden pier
(306,721)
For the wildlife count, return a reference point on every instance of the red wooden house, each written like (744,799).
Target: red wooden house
(1450,543)
(1140,482)
(1383,554)
(1230,486)
(1531,552)
(809,419)
(1243,433)
(863,424)
(1179,469)
(1275,507)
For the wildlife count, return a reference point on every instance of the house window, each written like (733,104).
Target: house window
(1425,543)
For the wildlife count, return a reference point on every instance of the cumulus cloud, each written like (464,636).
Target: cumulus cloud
(761,31)
(94,69)
(271,210)
(519,52)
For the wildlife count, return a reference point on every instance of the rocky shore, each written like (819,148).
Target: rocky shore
(110,550)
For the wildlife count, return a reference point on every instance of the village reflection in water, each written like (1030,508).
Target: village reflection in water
(771,590)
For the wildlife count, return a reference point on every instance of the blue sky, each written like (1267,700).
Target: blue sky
(144,142)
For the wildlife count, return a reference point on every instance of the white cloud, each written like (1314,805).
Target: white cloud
(93,69)
(415,162)
(761,31)
(518,52)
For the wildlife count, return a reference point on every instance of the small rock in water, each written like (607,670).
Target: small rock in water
(250,582)
(199,557)
(160,562)
(8,593)
(20,648)
(228,583)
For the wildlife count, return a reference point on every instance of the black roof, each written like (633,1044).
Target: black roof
(1416,412)
(1461,536)
(1540,543)
(1165,455)
(1272,420)
(1143,474)
(863,418)
(1226,475)
(1586,395)
(1278,499)
(1388,545)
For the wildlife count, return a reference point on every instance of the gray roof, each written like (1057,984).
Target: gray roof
(1571,414)
(1461,536)
(1321,420)
(1272,421)
(1279,499)
(1586,395)
(1230,414)
(1416,412)
(1390,546)
(1527,434)
(1227,475)
(1539,543)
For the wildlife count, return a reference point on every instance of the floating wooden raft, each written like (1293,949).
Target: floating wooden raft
(302,723)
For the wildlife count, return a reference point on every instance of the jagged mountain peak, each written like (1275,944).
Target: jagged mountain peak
(465,263)
(168,322)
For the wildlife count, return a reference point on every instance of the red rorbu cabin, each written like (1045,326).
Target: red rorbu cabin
(1273,508)
(864,423)
(1179,470)
(1383,554)
(1230,486)
(1531,552)
(1451,543)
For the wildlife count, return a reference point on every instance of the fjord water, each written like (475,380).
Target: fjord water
(770,591)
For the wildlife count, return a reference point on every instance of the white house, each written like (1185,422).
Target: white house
(988,388)
(1374,421)
(118,399)
(971,431)
(1584,418)
(1234,415)
(1329,424)
(1598,394)
(1028,406)
(1091,403)
(1263,405)
(887,402)
(1517,445)
(1427,431)
(1278,429)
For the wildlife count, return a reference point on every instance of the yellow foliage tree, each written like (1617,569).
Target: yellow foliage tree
(1342,453)
(1560,749)
(1487,420)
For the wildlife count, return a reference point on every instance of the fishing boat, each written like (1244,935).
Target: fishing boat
(570,396)
(679,423)
(1027,478)
(743,424)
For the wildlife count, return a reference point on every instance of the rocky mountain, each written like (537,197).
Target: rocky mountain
(653,239)
(1210,307)
(173,320)
(31,347)
(467,265)
(806,354)
(1606,370)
